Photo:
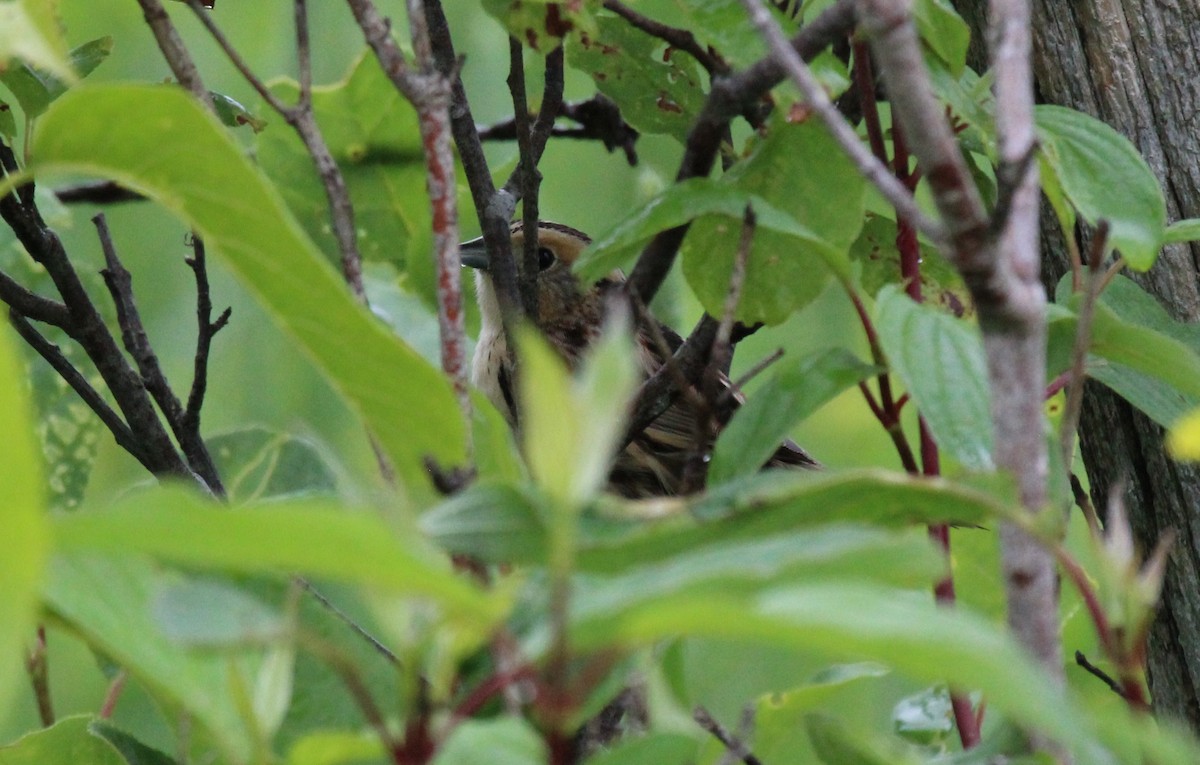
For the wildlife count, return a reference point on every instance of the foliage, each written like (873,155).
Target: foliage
(801,596)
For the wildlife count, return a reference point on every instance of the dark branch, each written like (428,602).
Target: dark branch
(682,39)
(206,329)
(525,180)
(137,343)
(735,745)
(1103,676)
(599,119)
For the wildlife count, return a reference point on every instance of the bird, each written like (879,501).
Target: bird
(571,316)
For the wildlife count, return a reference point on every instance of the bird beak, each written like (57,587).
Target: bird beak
(474,254)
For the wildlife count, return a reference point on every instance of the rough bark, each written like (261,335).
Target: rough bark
(1136,65)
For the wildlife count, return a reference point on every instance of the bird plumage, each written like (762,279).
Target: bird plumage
(571,318)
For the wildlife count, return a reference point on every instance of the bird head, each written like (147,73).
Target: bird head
(570,314)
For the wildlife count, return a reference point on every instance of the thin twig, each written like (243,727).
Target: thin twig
(719,732)
(722,351)
(87,328)
(527,179)
(346,619)
(206,329)
(758,368)
(1093,281)
(661,389)
(348,672)
(38,666)
(1103,676)
(113,695)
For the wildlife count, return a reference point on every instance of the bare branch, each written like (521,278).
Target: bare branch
(205,330)
(1092,284)
(133,333)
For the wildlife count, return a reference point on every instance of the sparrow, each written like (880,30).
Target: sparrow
(571,316)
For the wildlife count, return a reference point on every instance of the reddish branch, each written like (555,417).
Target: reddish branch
(430,92)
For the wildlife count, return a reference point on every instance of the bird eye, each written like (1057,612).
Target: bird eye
(545,258)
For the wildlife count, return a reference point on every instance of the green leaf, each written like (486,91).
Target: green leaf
(1104,177)
(729,568)
(1146,350)
(70,741)
(502,741)
(1133,351)
(30,32)
(800,170)
(795,392)
(656,93)
(23,542)
(238,212)
(677,205)
(864,622)
(944,32)
(572,426)
(876,252)
(496,523)
(134,752)
(108,602)
(779,732)
(35,88)
(1187,230)
(257,463)
(306,536)
(778,500)
(70,433)
(941,361)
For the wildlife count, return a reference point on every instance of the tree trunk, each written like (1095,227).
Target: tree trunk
(1135,64)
